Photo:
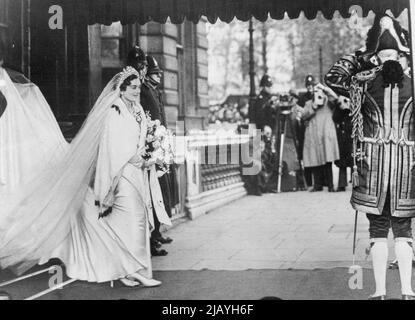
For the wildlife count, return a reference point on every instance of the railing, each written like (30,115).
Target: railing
(213,170)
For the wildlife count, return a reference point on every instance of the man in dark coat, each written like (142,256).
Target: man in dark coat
(343,121)
(269,173)
(378,80)
(263,112)
(152,101)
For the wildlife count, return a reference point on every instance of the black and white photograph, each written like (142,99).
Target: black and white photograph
(230,151)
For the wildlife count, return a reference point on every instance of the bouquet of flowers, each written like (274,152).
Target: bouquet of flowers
(158,145)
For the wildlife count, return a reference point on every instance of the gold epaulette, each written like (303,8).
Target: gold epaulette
(368,75)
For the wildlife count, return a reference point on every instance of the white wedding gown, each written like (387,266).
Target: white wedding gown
(56,214)
(30,136)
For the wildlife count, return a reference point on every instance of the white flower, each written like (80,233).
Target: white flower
(158,154)
(150,138)
(165,144)
(157,123)
(160,131)
(168,158)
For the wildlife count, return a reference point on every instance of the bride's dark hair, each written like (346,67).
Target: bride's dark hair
(127,82)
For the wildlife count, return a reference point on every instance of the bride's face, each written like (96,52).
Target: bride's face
(132,92)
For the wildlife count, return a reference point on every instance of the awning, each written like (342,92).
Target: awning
(142,11)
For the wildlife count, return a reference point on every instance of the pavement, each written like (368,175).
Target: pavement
(298,230)
(318,284)
(291,245)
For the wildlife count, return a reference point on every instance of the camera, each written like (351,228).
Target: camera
(319,97)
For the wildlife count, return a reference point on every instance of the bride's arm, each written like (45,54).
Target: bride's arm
(137,160)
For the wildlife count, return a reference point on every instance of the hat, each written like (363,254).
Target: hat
(387,33)
(153,66)
(309,80)
(266,81)
(136,57)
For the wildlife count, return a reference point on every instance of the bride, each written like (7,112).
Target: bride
(92,208)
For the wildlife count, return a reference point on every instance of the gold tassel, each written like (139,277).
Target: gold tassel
(355,177)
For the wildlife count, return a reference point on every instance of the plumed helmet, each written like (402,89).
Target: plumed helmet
(153,66)
(266,81)
(310,80)
(136,58)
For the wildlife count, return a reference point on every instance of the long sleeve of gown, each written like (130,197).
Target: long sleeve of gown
(118,145)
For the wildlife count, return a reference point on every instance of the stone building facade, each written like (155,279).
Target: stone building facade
(72,65)
(181,51)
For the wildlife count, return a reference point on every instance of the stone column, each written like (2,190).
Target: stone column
(160,41)
(95,64)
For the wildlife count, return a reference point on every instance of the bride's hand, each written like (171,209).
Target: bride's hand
(150,162)
(160,173)
(137,161)
(141,151)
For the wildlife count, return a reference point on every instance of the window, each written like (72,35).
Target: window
(113,45)
(3,16)
(3,21)
(3,13)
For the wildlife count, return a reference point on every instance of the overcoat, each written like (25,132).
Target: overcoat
(320,143)
(152,101)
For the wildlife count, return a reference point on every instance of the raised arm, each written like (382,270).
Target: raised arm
(339,76)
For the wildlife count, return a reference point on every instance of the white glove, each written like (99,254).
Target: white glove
(160,173)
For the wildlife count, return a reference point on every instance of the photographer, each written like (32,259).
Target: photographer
(320,143)
(299,127)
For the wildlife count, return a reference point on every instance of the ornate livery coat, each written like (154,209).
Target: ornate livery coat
(384,137)
(384,130)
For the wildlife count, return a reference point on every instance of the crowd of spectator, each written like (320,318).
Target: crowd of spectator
(235,111)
